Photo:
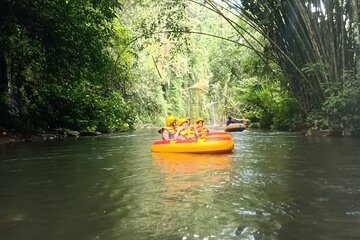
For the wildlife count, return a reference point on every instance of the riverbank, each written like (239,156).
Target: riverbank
(8,137)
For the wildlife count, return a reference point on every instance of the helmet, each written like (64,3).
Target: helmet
(199,119)
(181,121)
(169,120)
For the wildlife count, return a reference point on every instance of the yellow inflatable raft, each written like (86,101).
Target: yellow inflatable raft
(215,134)
(235,127)
(221,144)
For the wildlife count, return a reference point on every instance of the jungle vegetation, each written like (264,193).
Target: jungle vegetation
(93,65)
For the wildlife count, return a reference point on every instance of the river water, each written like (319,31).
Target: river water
(273,186)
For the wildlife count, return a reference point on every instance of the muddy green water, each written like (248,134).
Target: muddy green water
(273,186)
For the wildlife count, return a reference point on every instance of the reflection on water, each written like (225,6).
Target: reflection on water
(190,182)
(273,186)
(184,171)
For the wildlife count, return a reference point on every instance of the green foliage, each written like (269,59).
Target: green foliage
(287,116)
(175,99)
(147,100)
(341,108)
(83,107)
(267,106)
(305,37)
(65,66)
(91,65)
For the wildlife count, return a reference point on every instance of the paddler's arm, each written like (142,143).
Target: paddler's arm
(165,135)
(178,130)
(238,120)
(196,131)
(206,129)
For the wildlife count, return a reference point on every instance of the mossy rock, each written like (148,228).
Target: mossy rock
(89,133)
(71,133)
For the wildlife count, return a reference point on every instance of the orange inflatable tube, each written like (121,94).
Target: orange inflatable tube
(215,135)
(201,145)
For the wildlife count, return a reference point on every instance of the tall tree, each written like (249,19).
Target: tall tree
(315,43)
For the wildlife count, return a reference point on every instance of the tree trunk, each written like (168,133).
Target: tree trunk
(3,75)
(356,14)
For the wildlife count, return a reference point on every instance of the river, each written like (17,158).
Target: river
(274,185)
